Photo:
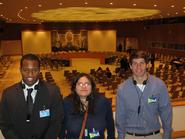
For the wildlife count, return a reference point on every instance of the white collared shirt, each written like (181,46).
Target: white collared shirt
(141,87)
(34,92)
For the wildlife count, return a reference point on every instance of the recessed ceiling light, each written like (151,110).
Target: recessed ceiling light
(183,8)
(168,14)
(1,15)
(134,4)
(1,3)
(111,3)
(26,7)
(172,6)
(39,5)
(86,3)
(155,5)
(184,11)
(60,3)
(176,12)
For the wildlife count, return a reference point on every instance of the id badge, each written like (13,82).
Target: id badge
(94,134)
(44,113)
(152,99)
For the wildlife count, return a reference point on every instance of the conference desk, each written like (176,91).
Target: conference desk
(69,55)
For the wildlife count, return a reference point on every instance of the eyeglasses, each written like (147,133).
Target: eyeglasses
(32,69)
(84,84)
(138,64)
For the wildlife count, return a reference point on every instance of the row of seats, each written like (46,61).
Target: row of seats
(174,79)
(5,62)
(48,77)
(53,62)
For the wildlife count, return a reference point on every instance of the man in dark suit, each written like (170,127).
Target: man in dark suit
(31,109)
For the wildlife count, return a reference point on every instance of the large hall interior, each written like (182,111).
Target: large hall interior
(71,37)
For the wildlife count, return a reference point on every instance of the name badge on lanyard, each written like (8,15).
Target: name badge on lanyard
(94,134)
(44,113)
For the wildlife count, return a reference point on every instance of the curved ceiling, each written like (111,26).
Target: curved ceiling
(93,14)
(36,11)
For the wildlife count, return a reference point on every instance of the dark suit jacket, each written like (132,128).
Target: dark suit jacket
(13,113)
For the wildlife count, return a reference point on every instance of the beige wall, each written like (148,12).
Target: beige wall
(101,41)
(36,42)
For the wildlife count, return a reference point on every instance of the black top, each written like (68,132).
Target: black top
(96,123)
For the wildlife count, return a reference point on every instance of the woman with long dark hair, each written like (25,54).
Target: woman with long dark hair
(85,100)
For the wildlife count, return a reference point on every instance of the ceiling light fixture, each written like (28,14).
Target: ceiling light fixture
(73,14)
(155,5)
(19,15)
(172,6)
(134,4)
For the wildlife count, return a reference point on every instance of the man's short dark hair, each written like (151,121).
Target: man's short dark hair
(138,54)
(29,57)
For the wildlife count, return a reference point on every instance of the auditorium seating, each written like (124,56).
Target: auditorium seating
(5,62)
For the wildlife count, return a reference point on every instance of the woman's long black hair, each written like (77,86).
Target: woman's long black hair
(78,106)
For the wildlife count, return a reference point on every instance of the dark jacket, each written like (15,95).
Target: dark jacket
(101,119)
(13,113)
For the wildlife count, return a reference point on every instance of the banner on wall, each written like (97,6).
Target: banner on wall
(69,40)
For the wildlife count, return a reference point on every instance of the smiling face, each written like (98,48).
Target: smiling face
(83,87)
(139,67)
(30,71)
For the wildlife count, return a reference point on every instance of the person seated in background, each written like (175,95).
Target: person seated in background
(152,59)
(99,72)
(124,64)
(85,102)
(108,72)
(99,69)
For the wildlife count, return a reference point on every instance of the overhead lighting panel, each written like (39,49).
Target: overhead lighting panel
(93,14)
